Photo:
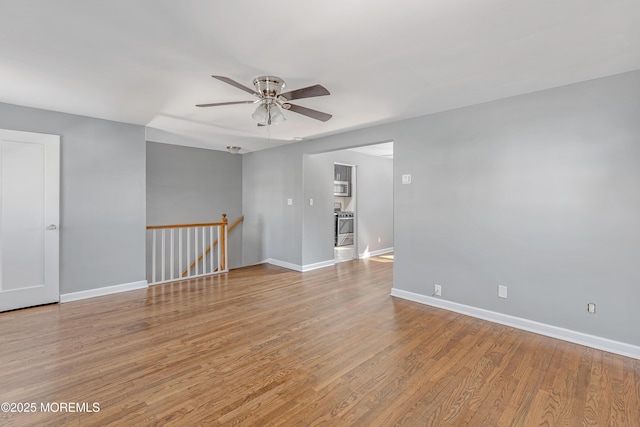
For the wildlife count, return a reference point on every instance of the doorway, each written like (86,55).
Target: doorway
(372,179)
(344,211)
(29,215)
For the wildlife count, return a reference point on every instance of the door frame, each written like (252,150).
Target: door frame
(49,292)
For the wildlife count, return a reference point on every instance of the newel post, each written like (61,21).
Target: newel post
(223,242)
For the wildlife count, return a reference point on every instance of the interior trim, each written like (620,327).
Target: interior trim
(581,338)
(379,252)
(107,290)
(300,268)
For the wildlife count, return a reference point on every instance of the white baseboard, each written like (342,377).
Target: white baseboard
(300,268)
(107,290)
(283,264)
(367,254)
(318,265)
(581,338)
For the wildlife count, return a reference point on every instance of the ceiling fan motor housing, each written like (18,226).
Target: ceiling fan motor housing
(269,86)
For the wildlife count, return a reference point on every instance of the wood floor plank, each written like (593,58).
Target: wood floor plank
(619,407)
(598,405)
(424,398)
(530,373)
(493,396)
(265,346)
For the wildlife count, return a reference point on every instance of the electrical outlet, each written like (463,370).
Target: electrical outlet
(591,308)
(437,290)
(502,291)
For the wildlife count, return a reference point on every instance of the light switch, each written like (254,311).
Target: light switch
(406,179)
(289,202)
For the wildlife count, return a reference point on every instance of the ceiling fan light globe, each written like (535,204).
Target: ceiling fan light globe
(276,115)
(261,115)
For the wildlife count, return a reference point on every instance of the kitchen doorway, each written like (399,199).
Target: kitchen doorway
(371,202)
(344,211)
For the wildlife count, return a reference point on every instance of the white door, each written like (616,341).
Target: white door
(29,213)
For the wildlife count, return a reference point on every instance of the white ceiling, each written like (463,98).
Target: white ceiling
(149,62)
(384,149)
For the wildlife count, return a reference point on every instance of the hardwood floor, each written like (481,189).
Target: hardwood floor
(265,346)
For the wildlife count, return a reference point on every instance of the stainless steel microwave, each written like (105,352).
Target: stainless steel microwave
(341,189)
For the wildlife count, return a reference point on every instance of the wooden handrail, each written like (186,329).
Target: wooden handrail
(222,227)
(215,243)
(207,224)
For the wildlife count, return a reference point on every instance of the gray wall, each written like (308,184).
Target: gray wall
(537,192)
(374,200)
(318,221)
(102,195)
(195,185)
(272,229)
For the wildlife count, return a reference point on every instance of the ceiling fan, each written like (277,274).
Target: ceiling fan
(268,90)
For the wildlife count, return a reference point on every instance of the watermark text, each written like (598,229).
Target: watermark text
(55,407)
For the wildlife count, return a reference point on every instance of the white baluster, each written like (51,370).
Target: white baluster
(195,248)
(180,251)
(219,251)
(164,254)
(172,260)
(211,248)
(188,252)
(226,248)
(153,258)
(204,249)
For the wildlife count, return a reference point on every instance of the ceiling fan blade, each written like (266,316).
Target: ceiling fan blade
(314,114)
(215,104)
(306,92)
(236,84)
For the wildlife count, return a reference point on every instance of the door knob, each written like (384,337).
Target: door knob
(52,227)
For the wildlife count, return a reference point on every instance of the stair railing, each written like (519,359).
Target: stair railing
(173,246)
(208,250)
